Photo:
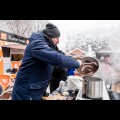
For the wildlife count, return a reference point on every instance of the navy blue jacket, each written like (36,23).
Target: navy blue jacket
(35,71)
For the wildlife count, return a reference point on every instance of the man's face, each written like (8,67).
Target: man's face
(55,40)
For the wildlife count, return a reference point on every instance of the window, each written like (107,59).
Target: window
(6,52)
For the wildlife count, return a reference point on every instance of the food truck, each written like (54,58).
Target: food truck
(12,48)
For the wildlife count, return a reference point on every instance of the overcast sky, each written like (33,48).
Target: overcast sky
(81,25)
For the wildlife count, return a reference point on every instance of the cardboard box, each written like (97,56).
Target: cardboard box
(116,87)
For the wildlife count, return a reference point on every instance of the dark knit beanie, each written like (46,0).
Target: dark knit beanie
(51,31)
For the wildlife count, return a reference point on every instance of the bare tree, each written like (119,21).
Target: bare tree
(25,27)
(3,25)
(82,41)
(39,24)
(70,43)
(19,27)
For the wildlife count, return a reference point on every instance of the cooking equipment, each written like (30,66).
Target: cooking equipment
(93,87)
(89,67)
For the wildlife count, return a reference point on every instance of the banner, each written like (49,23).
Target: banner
(9,37)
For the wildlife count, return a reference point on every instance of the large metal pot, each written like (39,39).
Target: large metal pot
(94,87)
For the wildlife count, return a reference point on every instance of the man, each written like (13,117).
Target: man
(37,64)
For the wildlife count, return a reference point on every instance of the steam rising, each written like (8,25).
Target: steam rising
(110,70)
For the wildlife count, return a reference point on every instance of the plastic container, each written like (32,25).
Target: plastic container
(74,82)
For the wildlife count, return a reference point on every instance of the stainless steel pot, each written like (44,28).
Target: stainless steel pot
(94,87)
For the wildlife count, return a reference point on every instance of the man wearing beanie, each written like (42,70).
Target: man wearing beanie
(40,56)
(59,73)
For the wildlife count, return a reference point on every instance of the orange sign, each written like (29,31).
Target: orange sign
(3,36)
(1,61)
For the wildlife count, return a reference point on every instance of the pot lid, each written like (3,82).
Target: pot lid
(93,79)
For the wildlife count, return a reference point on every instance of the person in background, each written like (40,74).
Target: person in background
(107,60)
(37,65)
(102,59)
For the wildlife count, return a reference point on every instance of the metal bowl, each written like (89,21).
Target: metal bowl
(89,67)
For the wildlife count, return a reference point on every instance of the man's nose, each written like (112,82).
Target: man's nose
(57,41)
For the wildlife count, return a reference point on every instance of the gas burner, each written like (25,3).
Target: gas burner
(85,97)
